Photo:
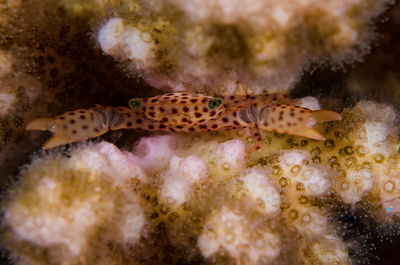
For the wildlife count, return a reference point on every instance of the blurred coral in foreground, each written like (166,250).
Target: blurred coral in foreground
(202,197)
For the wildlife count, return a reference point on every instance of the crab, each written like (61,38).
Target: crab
(188,112)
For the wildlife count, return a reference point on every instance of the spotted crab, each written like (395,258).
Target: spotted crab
(187,112)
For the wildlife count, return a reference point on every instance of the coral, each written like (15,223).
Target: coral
(228,47)
(200,195)
(62,209)
(234,233)
(179,178)
(195,198)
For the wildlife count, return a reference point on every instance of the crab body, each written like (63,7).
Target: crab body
(179,108)
(183,112)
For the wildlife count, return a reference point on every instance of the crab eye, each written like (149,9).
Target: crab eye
(215,103)
(135,103)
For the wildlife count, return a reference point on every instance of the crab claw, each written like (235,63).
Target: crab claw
(72,126)
(316,117)
(41,124)
(325,115)
(48,124)
(294,120)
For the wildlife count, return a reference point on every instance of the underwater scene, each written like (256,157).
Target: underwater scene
(199,132)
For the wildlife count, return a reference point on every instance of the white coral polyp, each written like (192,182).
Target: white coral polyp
(154,153)
(231,232)
(109,36)
(357,185)
(179,178)
(375,132)
(291,158)
(315,180)
(311,103)
(379,124)
(261,188)
(312,224)
(136,45)
(331,249)
(107,158)
(230,155)
(69,226)
(132,223)
(124,41)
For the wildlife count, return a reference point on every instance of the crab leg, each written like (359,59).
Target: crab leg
(237,102)
(257,140)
